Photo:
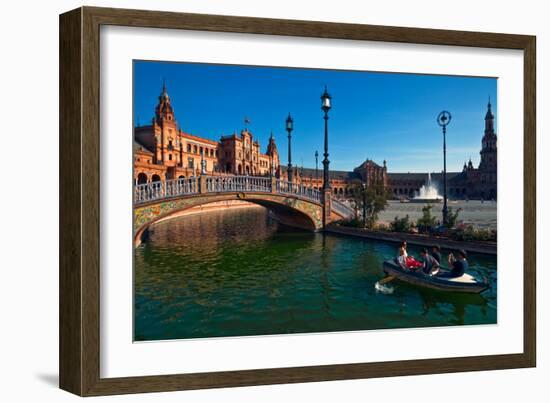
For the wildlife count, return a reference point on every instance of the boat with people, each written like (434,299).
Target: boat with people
(465,283)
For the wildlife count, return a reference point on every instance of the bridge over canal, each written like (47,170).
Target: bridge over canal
(293,204)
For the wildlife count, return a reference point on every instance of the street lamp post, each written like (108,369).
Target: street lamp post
(289,127)
(316,167)
(364,188)
(325,106)
(443,119)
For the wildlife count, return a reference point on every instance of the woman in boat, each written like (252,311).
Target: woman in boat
(403,246)
(406,261)
(458,264)
(402,257)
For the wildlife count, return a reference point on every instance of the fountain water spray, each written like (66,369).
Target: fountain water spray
(428,192)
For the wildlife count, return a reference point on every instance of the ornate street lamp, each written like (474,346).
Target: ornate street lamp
(443,119)
(289,128)
(325,106)
(316,167)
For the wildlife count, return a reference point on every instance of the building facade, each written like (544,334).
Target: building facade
(163,151)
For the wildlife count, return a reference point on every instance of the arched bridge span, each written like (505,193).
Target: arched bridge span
(293,204)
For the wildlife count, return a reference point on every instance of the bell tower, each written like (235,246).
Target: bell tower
(165,130)
(488,151)
(274,156)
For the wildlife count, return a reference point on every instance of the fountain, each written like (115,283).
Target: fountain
(428,193)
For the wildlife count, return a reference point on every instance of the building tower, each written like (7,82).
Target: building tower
(165,131)
(273,156)
(488,151)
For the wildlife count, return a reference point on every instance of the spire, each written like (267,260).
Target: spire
(271,146)
(164,109)
(489,114)
(489,120)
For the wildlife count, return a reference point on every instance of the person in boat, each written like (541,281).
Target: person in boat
(436,253)
(403,247)
(430,265)
(458,264)
(402,257)
(405,260)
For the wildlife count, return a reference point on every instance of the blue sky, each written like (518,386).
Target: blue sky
(375,115)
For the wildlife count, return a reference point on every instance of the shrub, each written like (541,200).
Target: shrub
(427,221)
(469,233)
(452,217)
(401,224)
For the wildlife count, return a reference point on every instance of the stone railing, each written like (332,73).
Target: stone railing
(219,184)
(291,188)
(160,190)
(342,208)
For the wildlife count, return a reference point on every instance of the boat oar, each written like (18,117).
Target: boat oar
(386,279)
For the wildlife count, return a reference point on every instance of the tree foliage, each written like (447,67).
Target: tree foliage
(370,200)
(427,221)
(452,217)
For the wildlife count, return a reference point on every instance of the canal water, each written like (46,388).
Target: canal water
(238,272)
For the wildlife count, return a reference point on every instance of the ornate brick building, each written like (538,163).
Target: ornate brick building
(163,151)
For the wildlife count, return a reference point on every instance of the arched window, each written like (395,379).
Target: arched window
(155,178)
(188,148)
(142,178)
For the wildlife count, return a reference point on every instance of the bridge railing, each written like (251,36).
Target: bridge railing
(160,190)
(218,184)
(238,184)
(292,188)
(342,208)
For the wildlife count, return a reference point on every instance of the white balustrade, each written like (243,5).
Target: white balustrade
(296,189)
(342,208)
(152,191)
(160,190)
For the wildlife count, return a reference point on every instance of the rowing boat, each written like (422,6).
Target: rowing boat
(465,283)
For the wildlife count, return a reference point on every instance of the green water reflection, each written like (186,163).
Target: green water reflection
(237,272)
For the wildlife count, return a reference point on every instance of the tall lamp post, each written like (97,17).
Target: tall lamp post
(325,106)
(443,119)
(289,127)
(316,167)
(364,188)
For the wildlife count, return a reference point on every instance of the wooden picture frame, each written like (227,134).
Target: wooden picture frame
(80,198)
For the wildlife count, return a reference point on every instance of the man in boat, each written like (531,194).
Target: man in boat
(436,253)
(430,265)
(458,264)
